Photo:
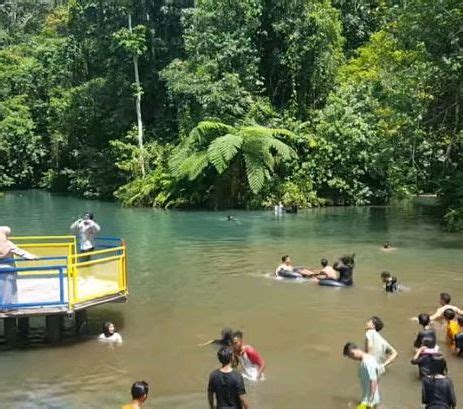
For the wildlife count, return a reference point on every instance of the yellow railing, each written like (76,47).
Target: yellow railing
(87,276)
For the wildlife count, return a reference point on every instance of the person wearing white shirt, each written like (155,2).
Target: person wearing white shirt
(109,334)
(87,229)
(377,346)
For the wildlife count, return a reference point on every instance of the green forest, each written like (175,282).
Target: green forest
(234,103)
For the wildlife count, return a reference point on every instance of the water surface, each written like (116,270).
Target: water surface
(192,273)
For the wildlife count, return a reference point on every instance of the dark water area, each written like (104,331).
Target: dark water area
(192,273)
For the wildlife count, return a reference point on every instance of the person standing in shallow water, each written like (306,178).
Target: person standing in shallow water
(377,346)
(249,359)
(368,374)
(226,385)
(139,393)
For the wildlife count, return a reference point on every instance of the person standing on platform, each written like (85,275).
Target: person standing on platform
(87,229)
(8,276)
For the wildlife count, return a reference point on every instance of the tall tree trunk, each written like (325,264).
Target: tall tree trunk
(138,107)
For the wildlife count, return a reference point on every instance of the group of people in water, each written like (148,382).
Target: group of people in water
(339,274)
(226,388)
(437,388)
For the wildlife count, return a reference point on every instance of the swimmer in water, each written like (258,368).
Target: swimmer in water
(388,247)
(391,284)
(109,334)
(139,395)
(287,270)
(231,218)
(226,339)
(327,271)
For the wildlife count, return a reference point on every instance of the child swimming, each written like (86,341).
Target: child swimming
(391,283)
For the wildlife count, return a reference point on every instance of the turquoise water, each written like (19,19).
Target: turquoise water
(192,273)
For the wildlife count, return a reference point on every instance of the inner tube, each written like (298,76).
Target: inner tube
(288,274)
(332,283)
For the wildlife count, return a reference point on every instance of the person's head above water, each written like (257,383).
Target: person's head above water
(449,314)
(386,276)
(108,329)
(226,336)
(352,351)
(386,245)
(375,323)
(140,391)
(285,259)
(424,319)
(324,262)
(225,355)
(237,340)
(445,299)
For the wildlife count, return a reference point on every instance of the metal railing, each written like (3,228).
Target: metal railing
(60,276)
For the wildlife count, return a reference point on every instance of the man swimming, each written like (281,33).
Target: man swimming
(287,270)
(391,283)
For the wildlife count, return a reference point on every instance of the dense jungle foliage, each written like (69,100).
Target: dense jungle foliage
(243,102)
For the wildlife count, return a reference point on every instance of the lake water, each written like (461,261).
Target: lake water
(192,273)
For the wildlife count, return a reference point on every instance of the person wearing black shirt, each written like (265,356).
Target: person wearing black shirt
(427,331)
(437,392)
(429,361)
(226,384)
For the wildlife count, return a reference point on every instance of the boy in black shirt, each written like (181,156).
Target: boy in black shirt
(226,384)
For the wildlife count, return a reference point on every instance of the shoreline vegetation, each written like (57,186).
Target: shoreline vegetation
(220,105)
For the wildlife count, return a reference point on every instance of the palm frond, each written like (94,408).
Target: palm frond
(255,172)
(281,148)
(223,149)
(192,166)
(206,131)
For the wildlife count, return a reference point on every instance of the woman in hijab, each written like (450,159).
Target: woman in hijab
(8,285)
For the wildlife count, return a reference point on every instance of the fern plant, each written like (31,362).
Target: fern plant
(254,149)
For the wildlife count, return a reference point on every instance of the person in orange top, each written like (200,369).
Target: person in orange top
(453,328)
(139,395)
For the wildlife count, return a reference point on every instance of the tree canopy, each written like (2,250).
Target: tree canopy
(244,102)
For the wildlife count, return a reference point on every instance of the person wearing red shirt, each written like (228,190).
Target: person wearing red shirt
(250,360)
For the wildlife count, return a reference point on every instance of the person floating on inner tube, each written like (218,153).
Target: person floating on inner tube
(287,270)
(345,268)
